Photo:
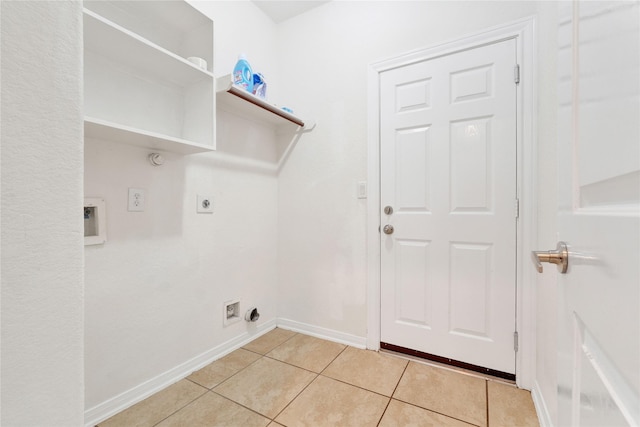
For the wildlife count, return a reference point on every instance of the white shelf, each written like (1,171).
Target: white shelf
(139,88)
(120,45)
(237,100)
(174,25)
(104,130)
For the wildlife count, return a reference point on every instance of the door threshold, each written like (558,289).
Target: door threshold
(448,362)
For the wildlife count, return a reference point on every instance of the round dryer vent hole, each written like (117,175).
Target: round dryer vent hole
(252,315)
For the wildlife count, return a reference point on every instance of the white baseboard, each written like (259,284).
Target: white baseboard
(544,417)
(130,397)
(327,334)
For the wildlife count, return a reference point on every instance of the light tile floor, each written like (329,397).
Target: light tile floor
(288,379)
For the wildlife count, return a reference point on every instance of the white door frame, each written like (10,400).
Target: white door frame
(523,31)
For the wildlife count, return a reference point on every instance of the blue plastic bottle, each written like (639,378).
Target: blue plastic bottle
(242,74)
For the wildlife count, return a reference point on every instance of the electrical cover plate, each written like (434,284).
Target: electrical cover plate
(204,204)
(136,200)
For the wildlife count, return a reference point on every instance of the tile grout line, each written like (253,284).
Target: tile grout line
(271,349)
(400,379)
(444,368)
(305,369)
(384,412)
(307,386)
(253,410)
(184,406)
(233,375)
(435,412)
(225,380)
(230,376)
(392,393)
(241,405)
(355,386)
(340,381)
(242,369)
(486,393)
(321,373)
(334,359)
(291,364)
(293,400)
(262,356)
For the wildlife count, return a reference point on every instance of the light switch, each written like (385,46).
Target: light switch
(362,189)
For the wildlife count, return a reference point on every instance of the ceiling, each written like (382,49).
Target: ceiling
(281,10)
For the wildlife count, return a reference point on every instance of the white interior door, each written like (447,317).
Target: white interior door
(599,213)
(448,172)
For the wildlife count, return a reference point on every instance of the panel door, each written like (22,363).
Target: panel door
(599,213)
(448,171)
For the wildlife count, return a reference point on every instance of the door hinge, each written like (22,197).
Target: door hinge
(517,208)
(516,74)
(515,341)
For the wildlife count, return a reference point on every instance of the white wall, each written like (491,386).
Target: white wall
(291,243)
(323,58)
(155,290)
(240,27)
(42,259)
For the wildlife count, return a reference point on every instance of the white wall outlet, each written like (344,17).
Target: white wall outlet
(204,204)
(136,200)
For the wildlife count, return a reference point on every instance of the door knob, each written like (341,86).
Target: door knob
(388,229)
(560,257)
